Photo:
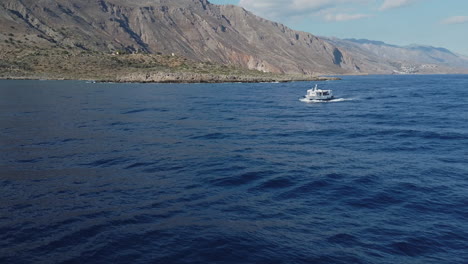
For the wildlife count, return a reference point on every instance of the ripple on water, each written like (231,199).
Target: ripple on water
(141,110)
(276,183)
(108,162)
(239,173)
(241,179)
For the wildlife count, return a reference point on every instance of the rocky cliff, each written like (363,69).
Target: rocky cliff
(195,29)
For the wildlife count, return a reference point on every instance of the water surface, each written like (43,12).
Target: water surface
(235,173)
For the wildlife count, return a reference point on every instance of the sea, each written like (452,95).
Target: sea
(235,172)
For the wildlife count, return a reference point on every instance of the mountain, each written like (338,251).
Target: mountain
(380,57)
(203,32)
(195,29)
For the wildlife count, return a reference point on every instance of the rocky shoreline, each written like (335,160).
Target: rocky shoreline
(163,77)
(212,78)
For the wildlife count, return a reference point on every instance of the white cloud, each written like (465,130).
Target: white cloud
(275,9)
(390,4)
(455,20)
(344,17)
(281,8)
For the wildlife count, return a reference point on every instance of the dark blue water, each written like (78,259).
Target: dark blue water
(235,173)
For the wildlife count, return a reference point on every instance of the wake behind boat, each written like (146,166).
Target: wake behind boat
(316,94)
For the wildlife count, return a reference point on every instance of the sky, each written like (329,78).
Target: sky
(436,23)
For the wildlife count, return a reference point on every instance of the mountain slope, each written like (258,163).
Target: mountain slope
(380,57)
(194,29)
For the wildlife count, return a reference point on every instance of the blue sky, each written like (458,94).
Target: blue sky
(402,22)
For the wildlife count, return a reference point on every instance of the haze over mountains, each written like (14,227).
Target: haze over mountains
(401,59)
(201,31)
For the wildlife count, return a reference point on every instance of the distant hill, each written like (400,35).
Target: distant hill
(382,57)
(204,32)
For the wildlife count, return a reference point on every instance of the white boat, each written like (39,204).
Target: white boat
(316,94)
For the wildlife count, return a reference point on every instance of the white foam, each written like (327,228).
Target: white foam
(325,101)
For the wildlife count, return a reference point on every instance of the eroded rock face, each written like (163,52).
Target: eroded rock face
(195,29)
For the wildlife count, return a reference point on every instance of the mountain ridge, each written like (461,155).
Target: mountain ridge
(398,59)
(195,29)
(204,32)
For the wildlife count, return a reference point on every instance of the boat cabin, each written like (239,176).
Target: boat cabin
(319,94)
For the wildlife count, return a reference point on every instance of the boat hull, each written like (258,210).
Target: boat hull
(315,99)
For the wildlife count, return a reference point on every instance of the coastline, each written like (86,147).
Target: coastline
(162,77)
(213,78)
(31,63)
